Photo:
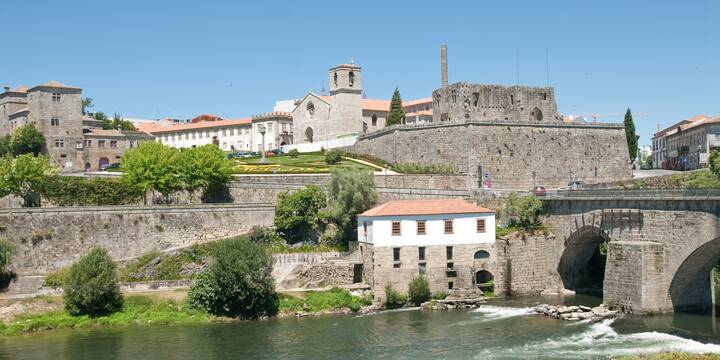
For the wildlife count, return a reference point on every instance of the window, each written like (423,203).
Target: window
(448,226)
(421,227)
(449,252)
(395,228)
(374,120)
(101,143)
(224,132)
(422,268)
(59,143)
(480,225)
(396,257)
(450,285)
(421,253)
(481,254)
(365,229)
(54,121)
(113,143)
(351,77)
(88,143)
(56,97)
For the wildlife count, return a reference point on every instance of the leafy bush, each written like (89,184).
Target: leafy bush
(440,295)
(57,278)
(297,214)
(152,165)
(79,191)
(238,284)
(523,212)
(203,167)
(263,235)
(413,168)
(333,156)
(293,153)
(703,179)
(419,291)
(7,250)
(91,287)
(394,299)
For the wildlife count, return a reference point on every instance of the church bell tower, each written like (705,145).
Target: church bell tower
(346,117)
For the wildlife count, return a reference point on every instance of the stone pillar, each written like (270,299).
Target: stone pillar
(635,279)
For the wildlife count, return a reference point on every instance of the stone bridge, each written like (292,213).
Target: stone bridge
(661,245)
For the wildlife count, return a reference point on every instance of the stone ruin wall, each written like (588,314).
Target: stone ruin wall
(495,102)
(512,152)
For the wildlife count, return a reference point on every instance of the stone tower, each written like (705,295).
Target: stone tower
(345,116)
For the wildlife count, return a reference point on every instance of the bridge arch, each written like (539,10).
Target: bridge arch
(690,288)
(582,264)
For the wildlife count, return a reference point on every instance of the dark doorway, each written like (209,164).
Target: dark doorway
(357,273)
(582,265)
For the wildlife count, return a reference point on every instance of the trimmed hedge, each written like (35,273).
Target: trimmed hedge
(79,191)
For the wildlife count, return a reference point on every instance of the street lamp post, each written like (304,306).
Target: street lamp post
(263,160)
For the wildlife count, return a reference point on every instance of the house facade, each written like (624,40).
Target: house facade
(450,242)
(74,141)
(687,144)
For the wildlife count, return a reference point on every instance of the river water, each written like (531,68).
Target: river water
(502,329)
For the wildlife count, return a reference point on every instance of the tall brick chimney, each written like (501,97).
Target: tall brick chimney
(443,64)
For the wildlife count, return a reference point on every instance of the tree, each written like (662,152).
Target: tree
(297,214)
(631,136)
(714,161)
(24,176)
(87,103)
(115,123)
(5,145)
(91,287)
(351,192)
(203,167)
(238,284)
(397,114)
(419,291)
(152,165)
(27,140)
(333,156)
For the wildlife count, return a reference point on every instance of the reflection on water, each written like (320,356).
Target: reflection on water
(503,329)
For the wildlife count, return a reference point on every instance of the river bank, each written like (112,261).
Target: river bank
(46,313)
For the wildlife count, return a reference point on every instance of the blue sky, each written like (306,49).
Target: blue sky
(152,59)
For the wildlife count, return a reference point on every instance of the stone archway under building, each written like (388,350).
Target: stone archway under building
(582,264)
(103,162)
(691,286)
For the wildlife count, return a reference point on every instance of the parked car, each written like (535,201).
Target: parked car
(574,185)
(109,167)
(539,191)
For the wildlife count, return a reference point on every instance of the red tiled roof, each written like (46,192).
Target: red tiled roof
(421,112)
(205,117)
(425,207)
(198,125)
(380,104)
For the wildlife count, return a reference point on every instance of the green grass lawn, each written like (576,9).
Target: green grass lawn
(309,163)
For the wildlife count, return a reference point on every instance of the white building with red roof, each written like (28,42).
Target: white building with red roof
(450,242)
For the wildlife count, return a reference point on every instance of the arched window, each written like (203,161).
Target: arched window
(351,77)
(309,134)
(310,109)
(482,254)
(335,78)
(536,115)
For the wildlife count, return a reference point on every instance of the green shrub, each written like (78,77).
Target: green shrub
(419,291)
(293,153)
(264,235)
(91,287)
(7,250)
(57,278)
(350,192)
(315,301)
(394,299)
(440,295)
(297,214)
(238,284)
(333,156)
(522,211)
(79,191)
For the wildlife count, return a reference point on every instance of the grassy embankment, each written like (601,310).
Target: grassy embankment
(171,308)
(700,179)
(306,163)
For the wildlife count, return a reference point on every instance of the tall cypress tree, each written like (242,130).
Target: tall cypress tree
(631,136)
(397,114)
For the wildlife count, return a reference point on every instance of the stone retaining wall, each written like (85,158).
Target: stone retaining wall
(51,238)
(526,265)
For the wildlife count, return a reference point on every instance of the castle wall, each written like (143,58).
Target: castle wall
(513,152)
(495,102)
